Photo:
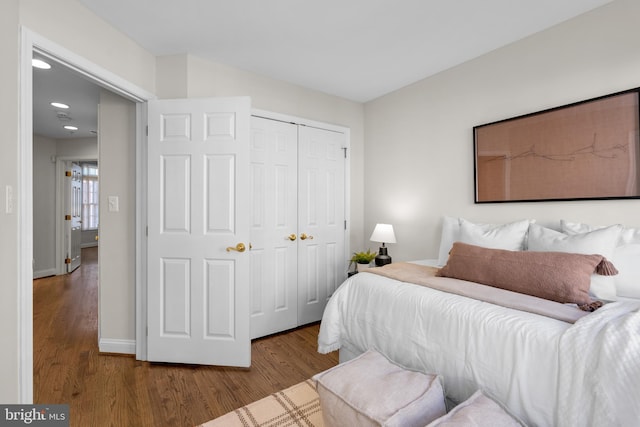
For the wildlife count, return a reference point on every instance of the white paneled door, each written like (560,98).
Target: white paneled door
(73,217)
(274,226)
(198,232)
(298,223)
(321,219)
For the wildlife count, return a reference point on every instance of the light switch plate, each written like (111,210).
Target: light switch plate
(113,204)
(8,207)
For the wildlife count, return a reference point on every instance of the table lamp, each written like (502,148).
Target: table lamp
(383,233)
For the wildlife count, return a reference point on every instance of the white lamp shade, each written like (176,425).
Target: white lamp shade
(383,233)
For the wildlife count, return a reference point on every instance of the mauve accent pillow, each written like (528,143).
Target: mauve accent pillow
(556,276)
(500,236)
(602,241)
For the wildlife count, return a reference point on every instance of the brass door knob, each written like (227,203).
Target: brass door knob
(305,237)
(292,237)
(239,248)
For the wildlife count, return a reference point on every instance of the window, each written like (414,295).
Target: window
(90,197)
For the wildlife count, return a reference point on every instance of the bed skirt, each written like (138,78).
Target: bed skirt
(294,406)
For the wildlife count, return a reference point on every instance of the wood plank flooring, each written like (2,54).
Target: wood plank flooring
(117,390)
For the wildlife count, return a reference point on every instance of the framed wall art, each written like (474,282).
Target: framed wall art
(586,150)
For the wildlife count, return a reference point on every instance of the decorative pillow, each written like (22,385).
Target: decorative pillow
(602,242)
(557,276)
(481,411)
(499,236)
(450,234)
(626,256)
(371,391)
(510,236)
(628,235)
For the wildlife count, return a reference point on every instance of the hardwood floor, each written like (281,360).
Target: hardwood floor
(117,390)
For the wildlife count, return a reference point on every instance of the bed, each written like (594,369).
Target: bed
(572,369)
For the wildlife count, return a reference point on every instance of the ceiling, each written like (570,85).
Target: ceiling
(60,84)
(355,49)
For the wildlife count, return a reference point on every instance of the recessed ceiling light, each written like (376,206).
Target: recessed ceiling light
(39,63)
(59,105)
(68,127)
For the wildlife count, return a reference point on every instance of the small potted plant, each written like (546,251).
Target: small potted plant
(362,259)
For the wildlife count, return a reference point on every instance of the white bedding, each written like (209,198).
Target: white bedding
(599,380)
(472,344)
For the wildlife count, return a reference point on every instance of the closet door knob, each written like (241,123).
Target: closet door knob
(292,237)
(305,237)
(239,248)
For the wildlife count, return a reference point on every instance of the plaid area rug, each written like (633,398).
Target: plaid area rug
(298,405)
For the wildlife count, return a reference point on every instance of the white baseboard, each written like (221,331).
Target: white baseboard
(44,273)
(89,245)
(117,346)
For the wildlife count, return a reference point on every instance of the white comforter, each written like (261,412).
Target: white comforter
(516,356)
(600,369)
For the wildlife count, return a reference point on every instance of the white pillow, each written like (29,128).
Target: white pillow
(626,257)
(493,235)
(450,234)
(627,235)
(602,242)
(627,260)
(511,237)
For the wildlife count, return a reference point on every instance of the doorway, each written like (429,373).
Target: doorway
(65,125)
(77,210)
(31,44)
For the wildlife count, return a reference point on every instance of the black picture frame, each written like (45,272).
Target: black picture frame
(588,150)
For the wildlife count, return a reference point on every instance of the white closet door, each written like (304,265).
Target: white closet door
(321,219)
(274,172)
(198,222)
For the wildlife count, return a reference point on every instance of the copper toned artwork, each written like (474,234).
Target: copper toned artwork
(587,150)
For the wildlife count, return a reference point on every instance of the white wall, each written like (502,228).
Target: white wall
(9,244)
(44,206)
(71,25)
(79,148)
(117,153)
(419,143)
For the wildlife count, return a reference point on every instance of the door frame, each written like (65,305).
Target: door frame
(31,42)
